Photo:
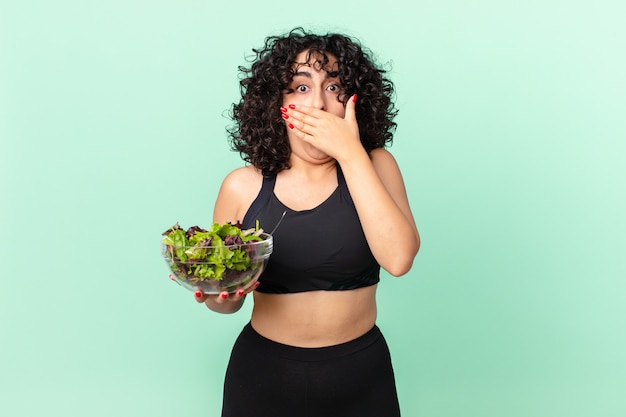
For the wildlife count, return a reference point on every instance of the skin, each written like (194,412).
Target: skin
(323,131)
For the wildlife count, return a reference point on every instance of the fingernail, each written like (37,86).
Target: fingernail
(283,109)
(354,98)
(224,295)
(285,116)
(172,277)
(292,106)
(291,126)
(198,294)
(256,284)
(240,293)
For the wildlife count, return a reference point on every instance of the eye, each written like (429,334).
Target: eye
(302,88)
(334,88)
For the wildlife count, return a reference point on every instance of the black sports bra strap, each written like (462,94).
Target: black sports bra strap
(267,188)
(342,184)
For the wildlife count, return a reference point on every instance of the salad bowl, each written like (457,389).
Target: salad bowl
(216,261)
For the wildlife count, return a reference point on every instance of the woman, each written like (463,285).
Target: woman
(313,121)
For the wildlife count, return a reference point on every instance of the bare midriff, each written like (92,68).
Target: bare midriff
(315,318)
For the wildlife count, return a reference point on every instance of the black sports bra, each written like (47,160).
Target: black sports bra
(319,249)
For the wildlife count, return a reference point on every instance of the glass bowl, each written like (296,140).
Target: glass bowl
(230,279)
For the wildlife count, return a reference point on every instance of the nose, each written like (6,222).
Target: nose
(318,100)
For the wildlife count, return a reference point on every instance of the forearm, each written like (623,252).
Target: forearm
(383,211)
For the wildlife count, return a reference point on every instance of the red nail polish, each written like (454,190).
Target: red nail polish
(256,284)
(285,116)
(291,126)
(283,109)
(172,277)
(292,106)
(198,294)
(354,98)
(240,293)
(224,295)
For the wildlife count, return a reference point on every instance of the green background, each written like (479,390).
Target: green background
(511,138)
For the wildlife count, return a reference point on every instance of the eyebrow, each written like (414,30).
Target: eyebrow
(307,74)
(303,74)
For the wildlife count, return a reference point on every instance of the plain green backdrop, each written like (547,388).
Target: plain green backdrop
(511,139)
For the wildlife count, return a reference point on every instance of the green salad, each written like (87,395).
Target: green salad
(198,254)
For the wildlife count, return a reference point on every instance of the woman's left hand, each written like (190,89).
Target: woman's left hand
(336,136)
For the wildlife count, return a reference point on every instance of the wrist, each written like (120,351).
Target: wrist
(355,158)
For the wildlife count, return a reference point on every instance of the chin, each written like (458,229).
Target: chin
(319,156)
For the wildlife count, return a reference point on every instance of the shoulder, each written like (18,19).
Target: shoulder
(242,178)
(383,160)
(237,192)
(386,167)
(242,182)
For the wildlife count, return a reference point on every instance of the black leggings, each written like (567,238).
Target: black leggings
(269,379)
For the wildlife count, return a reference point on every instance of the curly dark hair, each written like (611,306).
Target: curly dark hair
(259,133)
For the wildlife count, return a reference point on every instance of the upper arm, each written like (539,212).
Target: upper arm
(389,173)
(236,194)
